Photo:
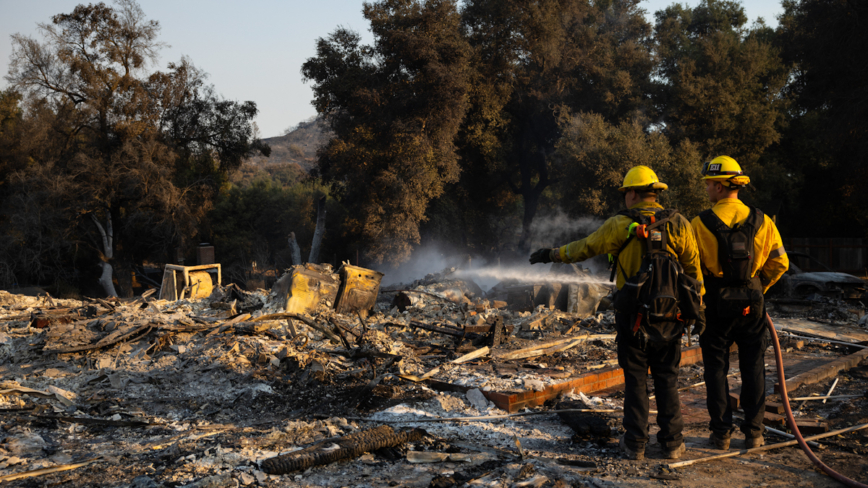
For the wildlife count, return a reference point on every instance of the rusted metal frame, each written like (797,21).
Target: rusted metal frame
(306,321)
(362,321)
(345,328)
(340,334)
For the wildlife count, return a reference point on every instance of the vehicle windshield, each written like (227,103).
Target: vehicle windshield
(805,259)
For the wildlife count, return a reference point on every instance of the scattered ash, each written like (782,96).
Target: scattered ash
(154,393)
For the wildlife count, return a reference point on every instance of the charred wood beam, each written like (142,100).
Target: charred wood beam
(484,329)
(106,342)
(456,331)
(417,291)
(453,331)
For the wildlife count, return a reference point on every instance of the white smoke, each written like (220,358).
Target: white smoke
(558,228)
(427,259)
(552,230)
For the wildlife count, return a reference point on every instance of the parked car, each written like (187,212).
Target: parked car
(797,283)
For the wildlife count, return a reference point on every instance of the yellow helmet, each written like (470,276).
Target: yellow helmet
(641,177)
(725,170)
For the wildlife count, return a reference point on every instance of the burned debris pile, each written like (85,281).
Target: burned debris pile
(261,387)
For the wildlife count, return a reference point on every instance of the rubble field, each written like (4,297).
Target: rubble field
(439,385)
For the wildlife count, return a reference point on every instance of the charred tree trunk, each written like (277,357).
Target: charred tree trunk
(531,194)
(531,203)
(294,250)
(534,142)
(320,230)
(107,254)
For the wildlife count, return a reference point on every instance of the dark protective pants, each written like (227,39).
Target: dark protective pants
(751,336)
(663,359)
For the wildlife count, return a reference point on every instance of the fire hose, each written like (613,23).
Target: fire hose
(791,421)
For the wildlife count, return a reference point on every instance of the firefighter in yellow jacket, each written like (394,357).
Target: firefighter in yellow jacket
(640,189)
(742,256)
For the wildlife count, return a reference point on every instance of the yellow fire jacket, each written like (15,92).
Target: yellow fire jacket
(609,238)
(770,259)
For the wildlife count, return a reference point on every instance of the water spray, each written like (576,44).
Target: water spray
(526,274)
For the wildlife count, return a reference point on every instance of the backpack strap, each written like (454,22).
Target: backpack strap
(660,218)
(713,223)
(755,219)
(635,216)
(718,228)
(617,263)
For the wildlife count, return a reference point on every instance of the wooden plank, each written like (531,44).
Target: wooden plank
(541,352)
(550,346)
(517,354)
(812,427)
(766,447)
(467,357)
(482,351)
(587,383)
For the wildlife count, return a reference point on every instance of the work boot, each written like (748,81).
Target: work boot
(720,442)
(674,453)
(752,442)
(637,454)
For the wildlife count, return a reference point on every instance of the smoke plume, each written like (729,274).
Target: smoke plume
(554,229)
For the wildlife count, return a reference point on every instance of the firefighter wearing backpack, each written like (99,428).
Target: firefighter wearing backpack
(656,259)
(742,257)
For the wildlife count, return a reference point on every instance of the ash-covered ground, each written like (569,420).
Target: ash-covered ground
(150,393)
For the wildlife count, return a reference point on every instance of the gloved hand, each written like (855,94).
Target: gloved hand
(541,256)
(699,324)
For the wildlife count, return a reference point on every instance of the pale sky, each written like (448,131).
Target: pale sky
(252,50)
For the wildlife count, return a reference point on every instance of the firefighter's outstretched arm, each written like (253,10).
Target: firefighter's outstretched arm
(605,240)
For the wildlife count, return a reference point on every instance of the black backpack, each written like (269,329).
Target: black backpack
(737,293)
(660,297)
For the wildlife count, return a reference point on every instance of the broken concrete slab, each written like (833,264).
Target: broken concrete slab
(826,371)
(477,399)
(840,331)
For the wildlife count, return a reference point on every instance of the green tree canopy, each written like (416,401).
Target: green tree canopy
(828,140)
(535,61)
(395,108)
(597,154)
(140,154)
(723,81)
